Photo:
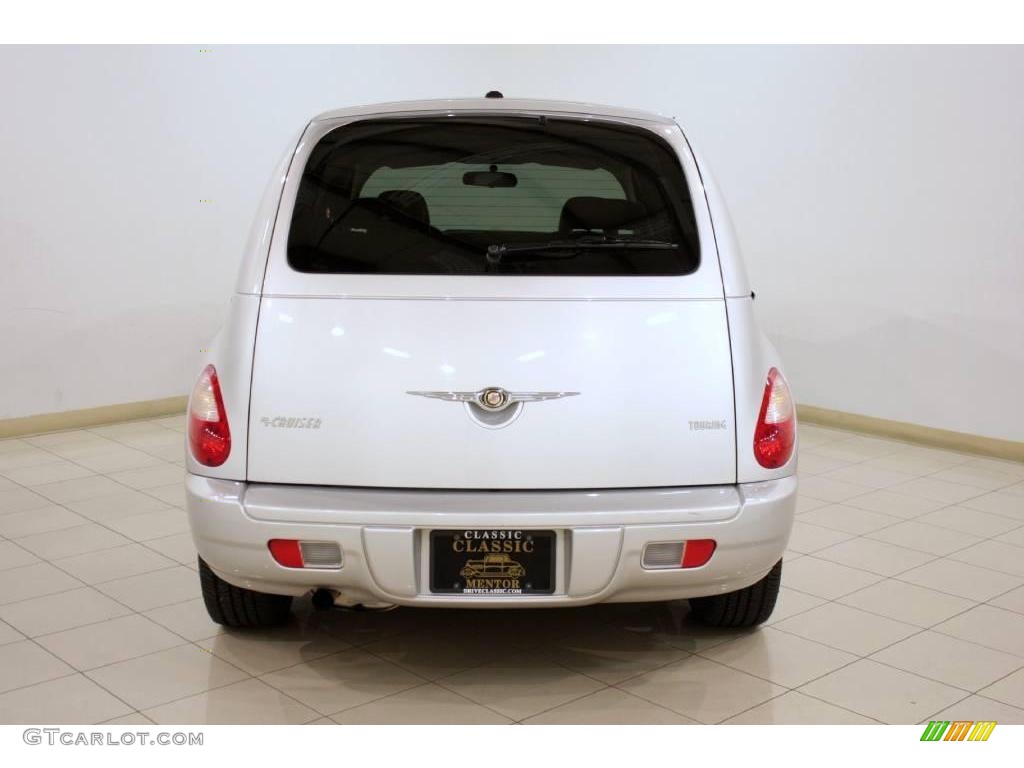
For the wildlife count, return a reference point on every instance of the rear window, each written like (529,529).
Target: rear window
(480,196)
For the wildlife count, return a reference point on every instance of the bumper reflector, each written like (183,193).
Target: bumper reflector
(678,554)
(320,554)
(305,554)
(697,552)
(663,554)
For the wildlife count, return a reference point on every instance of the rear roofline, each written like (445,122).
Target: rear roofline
(494,106)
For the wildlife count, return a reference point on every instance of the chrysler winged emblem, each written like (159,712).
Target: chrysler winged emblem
(492,399)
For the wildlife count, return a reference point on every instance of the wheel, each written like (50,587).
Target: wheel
(746,607)
(237,607)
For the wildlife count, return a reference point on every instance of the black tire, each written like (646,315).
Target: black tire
(237,607)
(746,607)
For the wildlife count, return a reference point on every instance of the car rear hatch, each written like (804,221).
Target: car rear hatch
(392,317)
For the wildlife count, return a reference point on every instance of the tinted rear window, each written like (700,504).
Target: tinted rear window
(510,195)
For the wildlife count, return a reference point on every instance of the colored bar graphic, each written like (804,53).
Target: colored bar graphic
(958,730)
(935,730)
(982,730)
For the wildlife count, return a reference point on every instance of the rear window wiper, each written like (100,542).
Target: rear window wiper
(496,251)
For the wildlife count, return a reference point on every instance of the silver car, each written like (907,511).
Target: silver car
(493,331)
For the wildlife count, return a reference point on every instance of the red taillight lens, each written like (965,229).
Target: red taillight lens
(696,552)
(208,432)
(286,552)
(775,434)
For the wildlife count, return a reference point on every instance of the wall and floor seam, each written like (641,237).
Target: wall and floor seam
(908,432)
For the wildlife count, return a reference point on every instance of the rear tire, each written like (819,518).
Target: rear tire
(746,607)
(238,607)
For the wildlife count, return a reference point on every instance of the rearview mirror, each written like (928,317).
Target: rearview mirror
(492,178)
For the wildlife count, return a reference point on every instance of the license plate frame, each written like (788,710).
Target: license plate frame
(503,562)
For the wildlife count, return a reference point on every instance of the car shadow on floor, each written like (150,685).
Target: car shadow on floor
(465,665)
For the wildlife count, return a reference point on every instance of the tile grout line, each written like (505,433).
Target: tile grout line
(130,608)
(140,543)
(416,687)
(439,680)
(866,535)
(870,656)
(934,558)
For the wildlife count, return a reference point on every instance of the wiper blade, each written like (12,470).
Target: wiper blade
(497,250)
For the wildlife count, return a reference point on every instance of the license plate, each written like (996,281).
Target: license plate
(492,562)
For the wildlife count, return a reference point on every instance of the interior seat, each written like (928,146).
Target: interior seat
(583,215)
(408,203)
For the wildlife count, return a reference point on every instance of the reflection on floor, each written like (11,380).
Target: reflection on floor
(903,600)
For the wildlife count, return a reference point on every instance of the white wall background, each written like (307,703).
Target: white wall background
(878,194)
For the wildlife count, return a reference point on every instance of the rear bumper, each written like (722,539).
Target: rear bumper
(383,536)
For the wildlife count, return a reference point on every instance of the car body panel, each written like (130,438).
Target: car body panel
(257,245)
(734,272)
(643,370)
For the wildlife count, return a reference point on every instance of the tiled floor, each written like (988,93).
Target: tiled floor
(903,600)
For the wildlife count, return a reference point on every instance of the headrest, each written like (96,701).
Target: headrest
(603,213)
(407,202)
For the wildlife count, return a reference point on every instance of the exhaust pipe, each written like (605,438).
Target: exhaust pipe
(323,599)
(326,599)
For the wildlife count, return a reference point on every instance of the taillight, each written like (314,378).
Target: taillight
(292,553)
(692,553)
(287,552)
(776,425)
(208,431)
